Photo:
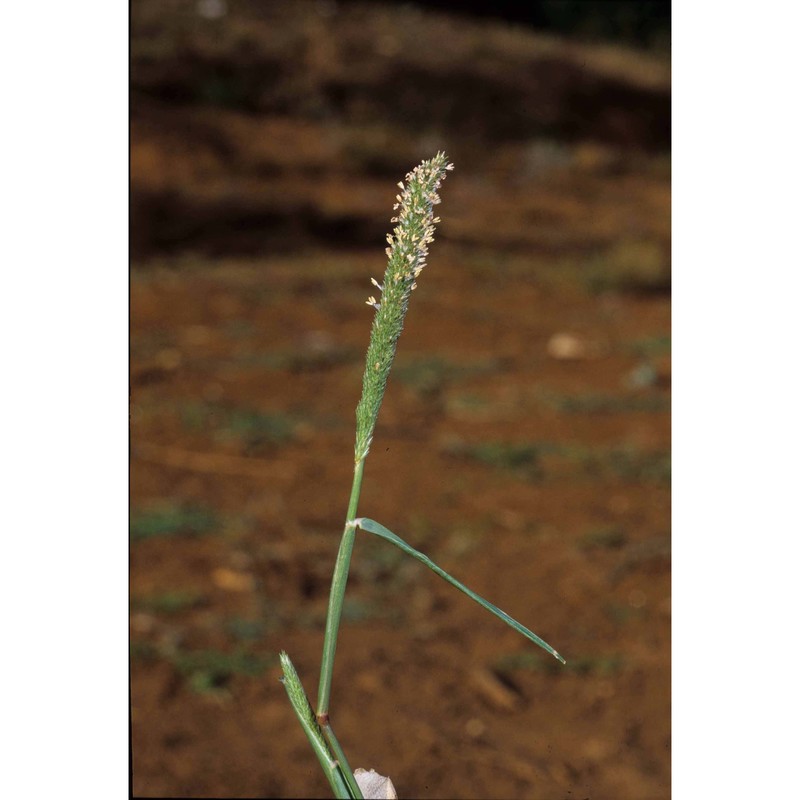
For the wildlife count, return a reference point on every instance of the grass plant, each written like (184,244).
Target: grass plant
(407,254)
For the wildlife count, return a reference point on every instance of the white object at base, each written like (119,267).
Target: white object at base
(374,786)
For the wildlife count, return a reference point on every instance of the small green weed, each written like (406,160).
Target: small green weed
(601,665)
(427,376)
(651,346)
(259,426)
(251,426)
(208,671)
(245,629)
(171,602)
(549,460)
(517,457)
(468,403)
(172,520)
(593,403)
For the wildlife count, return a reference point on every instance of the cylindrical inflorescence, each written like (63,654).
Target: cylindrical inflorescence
(407,252)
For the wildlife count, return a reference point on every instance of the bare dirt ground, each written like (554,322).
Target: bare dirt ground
(524,439)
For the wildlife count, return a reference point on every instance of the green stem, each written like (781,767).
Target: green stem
(344,765)
(338,585)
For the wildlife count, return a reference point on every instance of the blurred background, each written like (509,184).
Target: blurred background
(524,442)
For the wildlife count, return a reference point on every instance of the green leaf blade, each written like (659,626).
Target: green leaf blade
(376,528)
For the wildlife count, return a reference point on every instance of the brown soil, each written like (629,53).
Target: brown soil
(524,439)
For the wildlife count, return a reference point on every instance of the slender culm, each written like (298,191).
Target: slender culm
(407,251)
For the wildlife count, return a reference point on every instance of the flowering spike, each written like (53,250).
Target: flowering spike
(408,248)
